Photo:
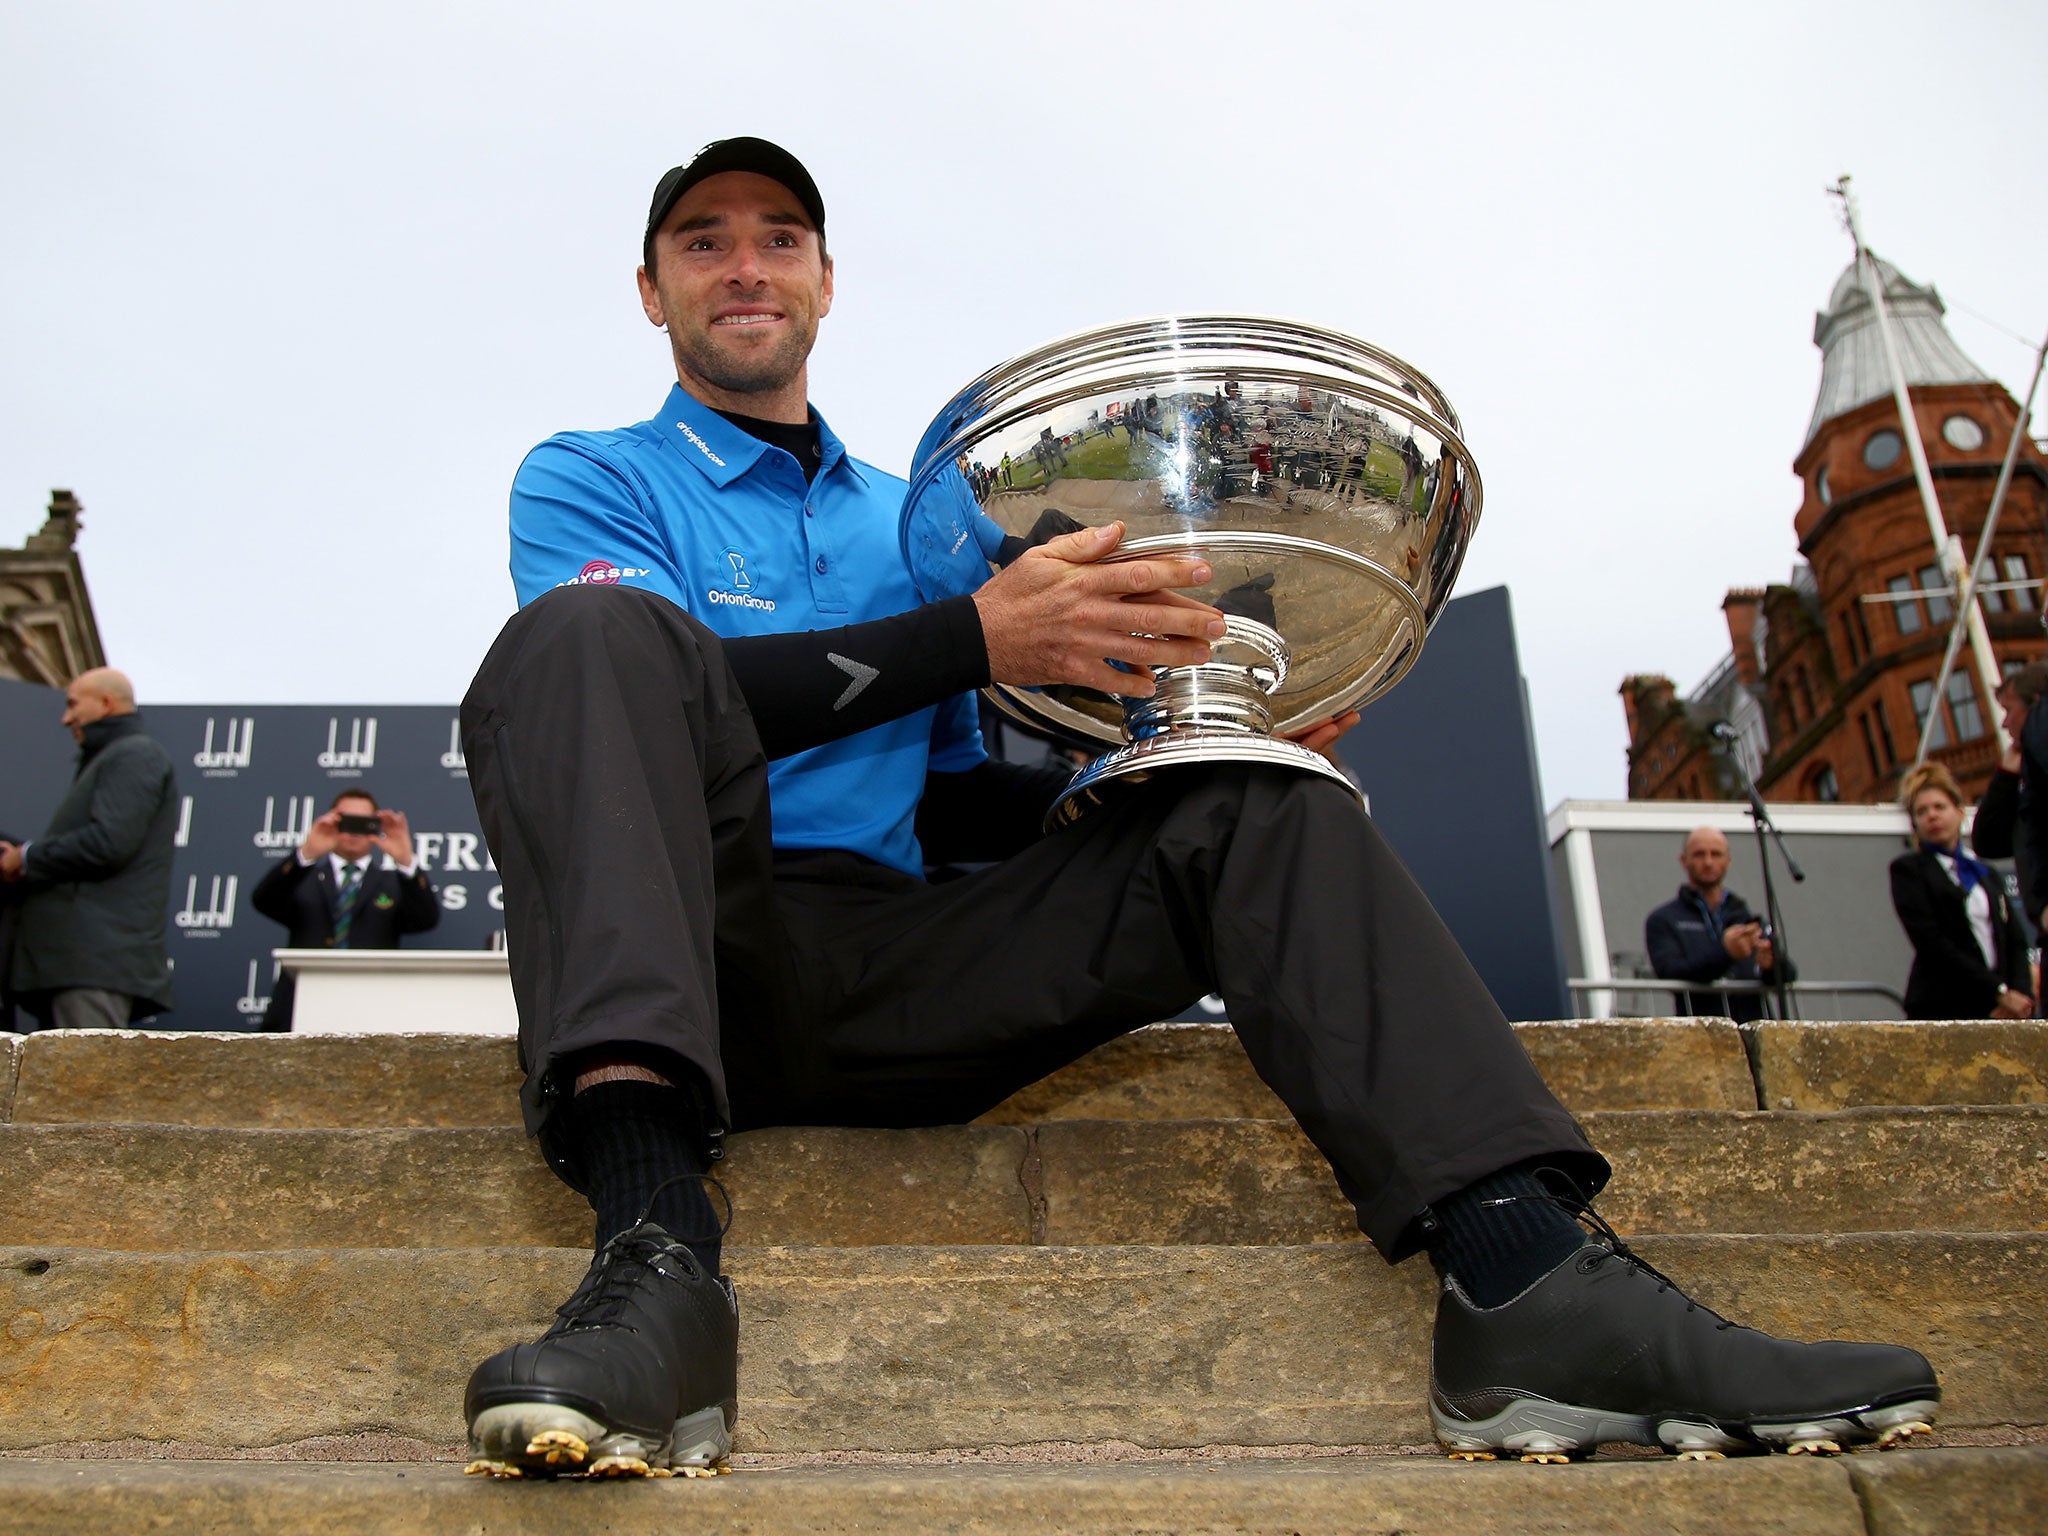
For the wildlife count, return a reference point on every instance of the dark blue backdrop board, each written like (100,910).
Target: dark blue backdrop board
(250,779)
(1447,758)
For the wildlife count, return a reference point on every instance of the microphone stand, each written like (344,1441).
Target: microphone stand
(1774,920)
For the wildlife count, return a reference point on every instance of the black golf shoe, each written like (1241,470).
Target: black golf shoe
(638,1376)
(1604,1348)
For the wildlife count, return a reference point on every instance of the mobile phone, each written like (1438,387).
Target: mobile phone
(359,826)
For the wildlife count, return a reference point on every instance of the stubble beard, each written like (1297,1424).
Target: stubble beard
(752,372)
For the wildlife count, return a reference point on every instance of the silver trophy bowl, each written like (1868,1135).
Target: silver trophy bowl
(1323,480)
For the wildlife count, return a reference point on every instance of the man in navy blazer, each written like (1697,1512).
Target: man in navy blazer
(336,891)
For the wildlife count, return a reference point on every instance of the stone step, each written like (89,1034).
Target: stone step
(156,1188)
(1168,1072)
(1954,1491)
(1965,1169)
(1837,1066)
(916,1349)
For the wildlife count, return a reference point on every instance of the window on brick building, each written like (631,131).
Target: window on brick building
(1849,642)
(1805,693)
(1962,706)
(1938,608)
(1870,745)
(1882,451)
(2016,570)
(1908,610)
(1884,732)
(1923,700)
(1862,627)
(1994,602)
(1821,785)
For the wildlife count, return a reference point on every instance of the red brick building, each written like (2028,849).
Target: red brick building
(1828,693)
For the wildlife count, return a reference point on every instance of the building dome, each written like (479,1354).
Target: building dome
(1852,365)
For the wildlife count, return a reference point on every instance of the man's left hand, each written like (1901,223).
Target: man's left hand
(1323,737)
(396,838)
(10,862)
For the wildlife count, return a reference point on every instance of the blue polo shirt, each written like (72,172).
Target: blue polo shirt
(722,525)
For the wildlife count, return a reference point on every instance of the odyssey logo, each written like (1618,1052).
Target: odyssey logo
(250,1004)
(702,446)
(360,753)
(240,742)
(298,821)
(219,912)
(453,759)
(183,839)
(602,573)
(742,594)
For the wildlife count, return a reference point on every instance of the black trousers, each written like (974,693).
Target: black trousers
(624,794)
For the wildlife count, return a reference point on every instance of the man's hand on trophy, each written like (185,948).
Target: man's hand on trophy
(1060,614)
(1323,737)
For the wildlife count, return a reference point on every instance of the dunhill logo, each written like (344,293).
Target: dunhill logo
(217,914)
(250,1004)
(234,755)
(453,759)
(184,837)
(360,753)
(298,821)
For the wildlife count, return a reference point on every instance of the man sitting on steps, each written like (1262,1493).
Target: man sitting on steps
(713,753)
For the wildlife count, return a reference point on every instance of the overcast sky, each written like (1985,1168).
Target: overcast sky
(286,292)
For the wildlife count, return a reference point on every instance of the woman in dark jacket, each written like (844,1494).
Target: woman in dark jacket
(1969,944)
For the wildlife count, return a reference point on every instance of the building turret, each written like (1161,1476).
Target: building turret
(1834,699)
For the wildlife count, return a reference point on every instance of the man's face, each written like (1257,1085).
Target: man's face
(1705,859)
(741,283)
(353,846)
(84,704)
(2015,710)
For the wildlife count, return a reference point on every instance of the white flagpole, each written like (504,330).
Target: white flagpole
(1955,634)
(1948,547)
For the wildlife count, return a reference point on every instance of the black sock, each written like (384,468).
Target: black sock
(628,1139)
(1496,1252)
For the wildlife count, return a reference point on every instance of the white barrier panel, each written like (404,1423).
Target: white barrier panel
(400,991)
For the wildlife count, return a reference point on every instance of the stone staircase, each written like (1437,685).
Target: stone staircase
(244,1278)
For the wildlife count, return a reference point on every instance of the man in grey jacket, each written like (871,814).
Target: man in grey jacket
(89,951)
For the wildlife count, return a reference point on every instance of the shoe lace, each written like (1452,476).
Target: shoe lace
(1581,1210)
(617,1270)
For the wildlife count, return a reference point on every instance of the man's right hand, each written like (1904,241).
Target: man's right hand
(1741,940)
(321,838)
(10,862)
(1057,614)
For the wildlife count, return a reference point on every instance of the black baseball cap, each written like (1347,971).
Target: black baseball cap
(741,154)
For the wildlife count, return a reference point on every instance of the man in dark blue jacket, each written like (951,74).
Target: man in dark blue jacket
(1708,933)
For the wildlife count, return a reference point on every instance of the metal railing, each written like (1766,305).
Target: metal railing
(1584,986)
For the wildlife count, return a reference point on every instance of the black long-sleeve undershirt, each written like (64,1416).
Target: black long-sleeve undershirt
(806,689)
(816,686)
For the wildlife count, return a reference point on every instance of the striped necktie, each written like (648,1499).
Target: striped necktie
(345,903)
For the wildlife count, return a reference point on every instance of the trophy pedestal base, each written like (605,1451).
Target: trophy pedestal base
(1173,749)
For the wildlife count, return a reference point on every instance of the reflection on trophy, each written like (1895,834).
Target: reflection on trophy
(1322,479)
